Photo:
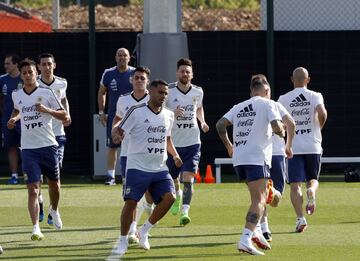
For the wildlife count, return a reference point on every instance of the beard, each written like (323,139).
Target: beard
(184,81)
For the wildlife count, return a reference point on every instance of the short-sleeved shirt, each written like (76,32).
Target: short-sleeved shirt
(147,150)
(252,131)
(116,83)
(58,86)
(278,143)
(185,130)
(301,104)
(36,127)
(8,84)
(124,103)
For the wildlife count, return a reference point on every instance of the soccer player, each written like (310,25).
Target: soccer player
(149,129)
(280,151)
(185,99)
(35,107)
(308,110)
(253,122)
(47,79)
(11,138)
(139,95)
(114,82)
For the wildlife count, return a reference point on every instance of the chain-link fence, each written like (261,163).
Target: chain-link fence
(313,15)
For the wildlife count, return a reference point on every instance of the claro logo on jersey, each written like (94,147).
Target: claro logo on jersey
(299,101)
(248,111)
(157,139)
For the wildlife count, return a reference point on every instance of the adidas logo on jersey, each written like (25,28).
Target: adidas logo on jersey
(246,112)
(146,121)
(299,101)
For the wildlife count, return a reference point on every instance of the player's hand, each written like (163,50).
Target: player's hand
(103,119)
(41,108)
(230,151)
(288,152)
(204,127)
(178,161)
(179,111)
(116,135)
(67,122)
(11,123)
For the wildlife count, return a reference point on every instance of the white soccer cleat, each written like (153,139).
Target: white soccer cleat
(259,239)
(37,235)
(132,239)
(310,202)
(248,248)
(121,248)
(56,218)
(143,240)
(301,225)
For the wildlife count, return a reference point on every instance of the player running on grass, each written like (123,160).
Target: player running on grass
(253,122)
(35,107)
(308,110)
(149,129)
(186,100)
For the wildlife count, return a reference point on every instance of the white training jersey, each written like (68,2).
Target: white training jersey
(252,131)
(278,143)
(148,132)
(36,127)
(301,104)
(185,131)
(58,86)
(124,103)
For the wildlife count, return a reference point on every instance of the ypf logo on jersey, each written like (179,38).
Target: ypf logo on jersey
(299,101)
(248,111)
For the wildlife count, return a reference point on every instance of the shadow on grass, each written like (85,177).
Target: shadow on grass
(203,235)
(349,222)
(52,230)
(192,256)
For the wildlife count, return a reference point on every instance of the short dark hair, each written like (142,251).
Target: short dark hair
(157,82)
(15,59)
(143,69)
(26,62)
(184,61)
(45,55)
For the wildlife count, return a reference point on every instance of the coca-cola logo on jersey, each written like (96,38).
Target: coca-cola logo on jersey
(155,129)
(245,123)
(302,112)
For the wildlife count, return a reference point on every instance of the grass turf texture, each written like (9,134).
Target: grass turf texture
(90,213)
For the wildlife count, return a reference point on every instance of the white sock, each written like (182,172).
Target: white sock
(265,227)
(139,209)
(123,238)
(145,228)
(132,229)
(185,209)
(41,199)
(37,227)
(179,193)
(246,235)
(148,207)
(14,175)
(111,173)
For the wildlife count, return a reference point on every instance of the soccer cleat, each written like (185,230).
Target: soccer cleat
(121,248)
(301,225)
(37,235)
(184,219)
(270,190)
(143,240)
(248,248)
(260,240)
(267,236)
(175,208)
(276,198)
(110,181)
(50,220)
(310,202)
(13,181)
(56,218)
(132,239)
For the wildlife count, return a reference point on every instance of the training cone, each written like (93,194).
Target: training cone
(197,177)
(209,178)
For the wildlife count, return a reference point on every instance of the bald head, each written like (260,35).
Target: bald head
(300,77)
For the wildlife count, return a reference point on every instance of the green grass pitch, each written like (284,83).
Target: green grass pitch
(90,213)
